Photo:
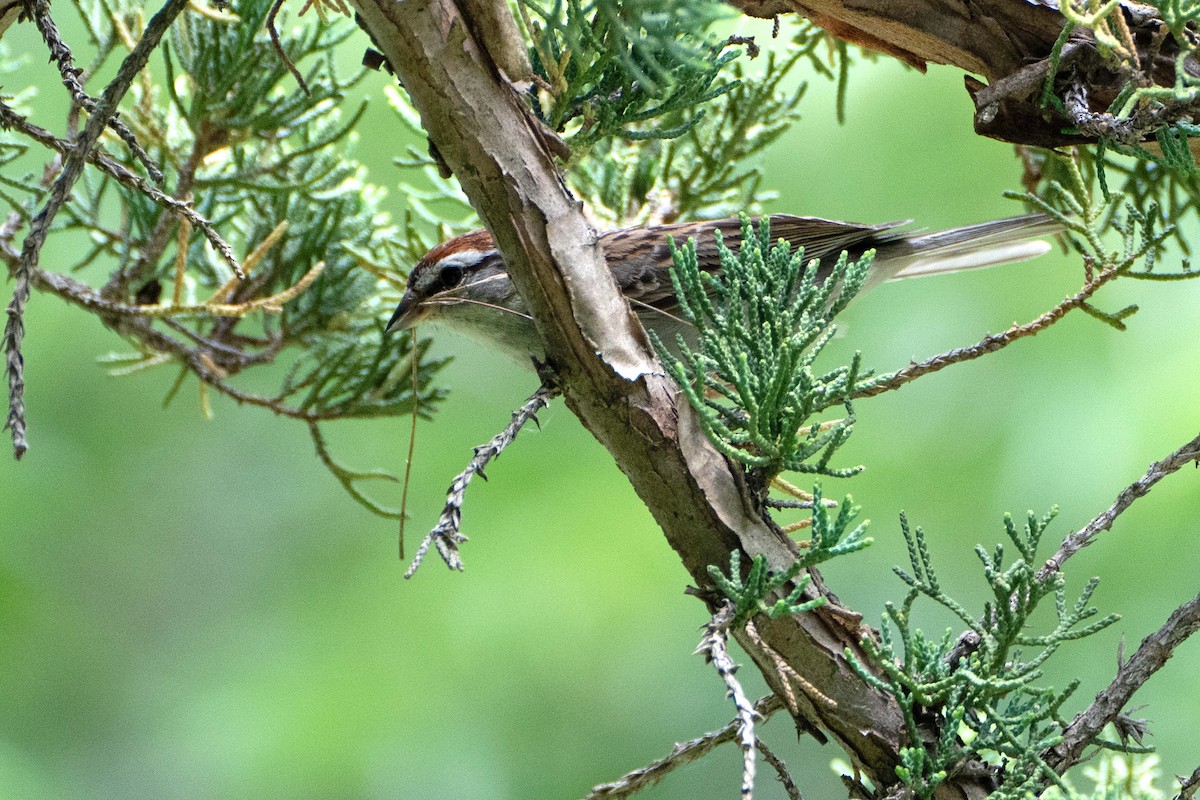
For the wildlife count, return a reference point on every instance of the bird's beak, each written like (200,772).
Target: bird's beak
(406,313)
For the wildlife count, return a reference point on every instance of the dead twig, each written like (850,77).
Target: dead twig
(781,771)
(715,648)
(681,754)
(446,535)
(1154,652)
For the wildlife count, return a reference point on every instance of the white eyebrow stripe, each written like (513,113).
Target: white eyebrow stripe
(464,258)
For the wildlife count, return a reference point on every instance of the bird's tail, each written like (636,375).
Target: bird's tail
(985,244)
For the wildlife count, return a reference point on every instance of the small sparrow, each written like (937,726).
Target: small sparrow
(462,283)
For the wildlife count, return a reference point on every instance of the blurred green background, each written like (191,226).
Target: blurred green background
(195,609)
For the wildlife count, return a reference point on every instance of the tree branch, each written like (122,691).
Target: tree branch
(1006,42)
(72,168)
(11,120)
(1150,657)
(485,134)
(685,753)
(992,343)
(60,54)
(1187,454)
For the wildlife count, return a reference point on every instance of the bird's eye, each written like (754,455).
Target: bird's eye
(449,277)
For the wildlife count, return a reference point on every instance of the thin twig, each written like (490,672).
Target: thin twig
(347,477)
(1151,655)
(11,120)
(72,168)
(681,754)
(271,304)
(1188,453)
(714,645)
(283,56)
(241,357)
(446,535)
(210,363)
(60,54)
(992,343)
(412,437)
(781,771)
(203,144)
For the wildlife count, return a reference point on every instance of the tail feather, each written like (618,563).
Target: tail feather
(976,259)
(974,246)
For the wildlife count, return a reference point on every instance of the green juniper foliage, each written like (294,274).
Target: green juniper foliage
(708,172)
(1066,193)
(288,161)
(761,324)
(830,537)
(981,687)
(234,134)
(713,168)
(612,67)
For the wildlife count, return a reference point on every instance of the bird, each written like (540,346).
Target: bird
(463,283)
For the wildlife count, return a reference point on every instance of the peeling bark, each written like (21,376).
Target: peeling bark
(610,378)
(1006,43)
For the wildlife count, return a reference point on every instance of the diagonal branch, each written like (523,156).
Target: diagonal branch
(72,168)
(60,54)
(781,771)
(682,754)
(1150,657)
(484,132)
(1187,454)
(992,343)
(11,120)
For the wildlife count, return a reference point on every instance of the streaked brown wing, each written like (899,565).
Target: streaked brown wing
(822,237)
(648,285)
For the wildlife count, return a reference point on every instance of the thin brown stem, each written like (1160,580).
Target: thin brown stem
(992,343)
(1154,652)
(348,477)
(209,361)
(207,139)
(682,754)
(412,438)
(1187,454)
(781,771)
(283,56)
(72,168)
